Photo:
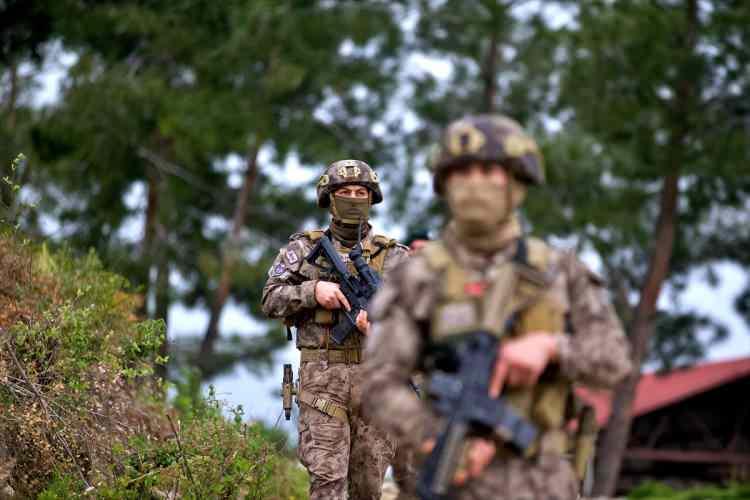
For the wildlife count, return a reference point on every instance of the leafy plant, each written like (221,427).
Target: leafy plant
(654,490)
(81,412)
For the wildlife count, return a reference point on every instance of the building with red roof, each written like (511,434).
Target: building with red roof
(690,425)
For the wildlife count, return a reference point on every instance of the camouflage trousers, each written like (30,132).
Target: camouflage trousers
(341,458)
(405,473)
(405,470)
(545,478)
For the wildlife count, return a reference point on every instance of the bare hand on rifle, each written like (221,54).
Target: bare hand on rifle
(521,361)
(330,296)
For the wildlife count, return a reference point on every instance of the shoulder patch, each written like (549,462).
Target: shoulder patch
(292,255)
(277,270)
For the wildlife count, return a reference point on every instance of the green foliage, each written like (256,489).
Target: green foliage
(649,91)
(59,488)
(209,458)
(81,412)
(653,490)
(162,94)
(188,399)
(12,208)
(86,324)
(619,99)
(71,361)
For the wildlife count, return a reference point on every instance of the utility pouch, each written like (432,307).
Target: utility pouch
(288,390)
(585,440)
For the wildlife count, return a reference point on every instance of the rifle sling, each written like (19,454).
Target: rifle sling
(326,406)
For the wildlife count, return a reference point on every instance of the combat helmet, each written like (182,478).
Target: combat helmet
(344,172)
(487,138)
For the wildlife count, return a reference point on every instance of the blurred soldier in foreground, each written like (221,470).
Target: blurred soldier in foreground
(404,467)
(502,325)
(317,285)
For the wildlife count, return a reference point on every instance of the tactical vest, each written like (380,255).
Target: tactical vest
(374,251)
(511,303)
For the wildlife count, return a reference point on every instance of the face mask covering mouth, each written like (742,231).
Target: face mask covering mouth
(348,210)
(350,217)
(482,210)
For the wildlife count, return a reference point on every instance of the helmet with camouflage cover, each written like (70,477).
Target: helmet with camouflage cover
(487,138)
(344,172)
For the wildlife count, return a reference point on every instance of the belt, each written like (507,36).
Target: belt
(348,356)
(325,405)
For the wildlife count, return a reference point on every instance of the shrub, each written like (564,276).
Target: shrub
(81,412)
(654,490)
(71,353)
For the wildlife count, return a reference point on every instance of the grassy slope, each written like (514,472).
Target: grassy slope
(80,409)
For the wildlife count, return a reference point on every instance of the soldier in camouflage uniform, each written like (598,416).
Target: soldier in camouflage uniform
(341,450)
(563,330)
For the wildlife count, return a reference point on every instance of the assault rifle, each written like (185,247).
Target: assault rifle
(358,290)
(459,390)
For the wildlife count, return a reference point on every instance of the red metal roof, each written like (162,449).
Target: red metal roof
(657,391)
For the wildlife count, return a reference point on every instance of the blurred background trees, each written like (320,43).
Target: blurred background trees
(186,137)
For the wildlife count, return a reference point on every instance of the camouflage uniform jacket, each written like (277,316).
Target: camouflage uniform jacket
(289,292)
(345,458)
(594,353)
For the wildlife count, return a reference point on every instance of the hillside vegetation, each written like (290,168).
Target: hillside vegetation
(81,413)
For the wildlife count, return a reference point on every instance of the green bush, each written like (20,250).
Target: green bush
(209,457)
(654,491)
(71,361)
(81,412)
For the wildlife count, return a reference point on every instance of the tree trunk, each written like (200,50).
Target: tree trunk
(642,327)
(489,75)
(618,428)
(153,199)
(229,257)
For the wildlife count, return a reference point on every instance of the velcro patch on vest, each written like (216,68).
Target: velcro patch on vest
(455,317)
(291,257)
